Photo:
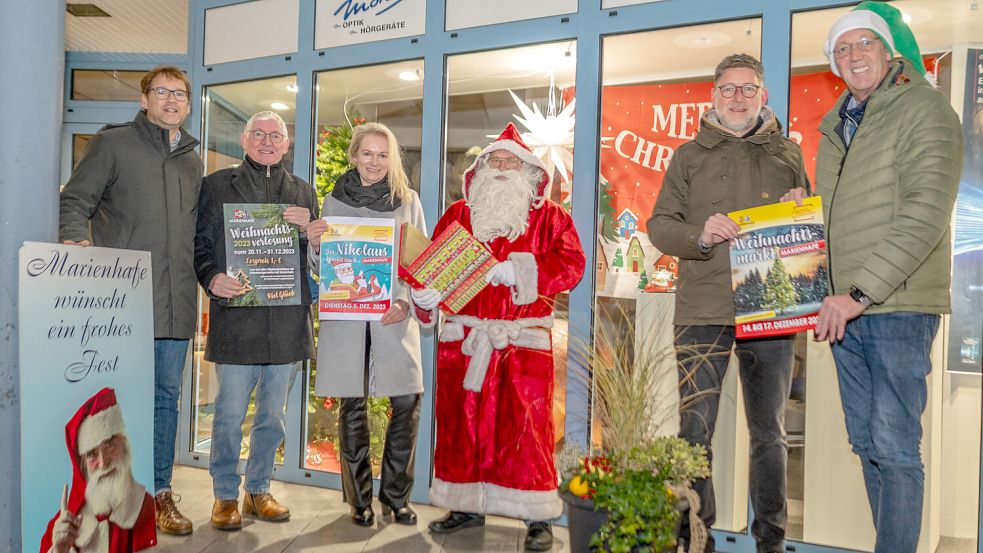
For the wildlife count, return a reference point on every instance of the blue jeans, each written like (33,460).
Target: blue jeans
(169,358)
(703,353)
(882,363)
(235,386)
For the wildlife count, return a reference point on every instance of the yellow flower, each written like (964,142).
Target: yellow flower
(578,486)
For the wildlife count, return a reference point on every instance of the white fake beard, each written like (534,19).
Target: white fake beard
(501,208)
(107,488)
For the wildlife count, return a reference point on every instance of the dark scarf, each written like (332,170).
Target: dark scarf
(850,120)
(756,127)
(268,188)
(349,191)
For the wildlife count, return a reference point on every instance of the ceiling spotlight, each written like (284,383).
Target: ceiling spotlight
(279,106)
(292,87)
(410,75)
(906,17)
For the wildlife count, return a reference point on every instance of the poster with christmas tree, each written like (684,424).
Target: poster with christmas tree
(778,268)
(262,251)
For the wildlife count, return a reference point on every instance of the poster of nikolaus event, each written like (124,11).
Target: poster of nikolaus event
(357,256)
(86,318)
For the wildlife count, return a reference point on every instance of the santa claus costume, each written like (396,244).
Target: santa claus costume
(131,525)
(494,396)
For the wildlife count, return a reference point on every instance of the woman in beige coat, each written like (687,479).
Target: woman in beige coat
(376,187)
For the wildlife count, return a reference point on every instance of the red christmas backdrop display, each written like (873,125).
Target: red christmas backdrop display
(643,125)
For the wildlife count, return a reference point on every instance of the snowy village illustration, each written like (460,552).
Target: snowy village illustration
(630,265)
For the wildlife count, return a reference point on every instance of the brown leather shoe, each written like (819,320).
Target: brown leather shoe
(225,514)
(264,507)
(169,519)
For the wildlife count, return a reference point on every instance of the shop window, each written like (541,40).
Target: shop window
(229,106)
(950,36)
(79,142)
(390,94)
(487,90)
(650,106)
(227,109)
(106,84)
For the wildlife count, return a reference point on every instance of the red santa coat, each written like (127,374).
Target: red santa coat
(126,535)
(494,450)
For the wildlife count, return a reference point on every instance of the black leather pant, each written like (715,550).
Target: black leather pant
(397,457)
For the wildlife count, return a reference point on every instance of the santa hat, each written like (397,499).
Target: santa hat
(97,420)
(511,141)
(887,22)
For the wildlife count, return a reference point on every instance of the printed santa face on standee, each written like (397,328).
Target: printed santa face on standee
(104,455)
(106,505)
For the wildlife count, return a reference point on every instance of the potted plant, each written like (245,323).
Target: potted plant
(629,492)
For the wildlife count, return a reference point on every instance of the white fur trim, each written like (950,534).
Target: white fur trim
(491,499)
(514,148)
(857,19)
(100,427)
(526,289)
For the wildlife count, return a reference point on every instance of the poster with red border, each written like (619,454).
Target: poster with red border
(778,268)
(357,257)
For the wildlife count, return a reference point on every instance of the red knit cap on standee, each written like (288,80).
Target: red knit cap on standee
(511,141)
(97,420)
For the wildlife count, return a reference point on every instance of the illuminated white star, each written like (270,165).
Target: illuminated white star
(550,136)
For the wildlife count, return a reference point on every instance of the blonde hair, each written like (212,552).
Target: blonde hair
(399,184)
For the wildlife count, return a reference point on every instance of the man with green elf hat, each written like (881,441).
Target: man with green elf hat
(888,170)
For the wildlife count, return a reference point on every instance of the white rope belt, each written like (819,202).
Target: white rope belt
(489,334)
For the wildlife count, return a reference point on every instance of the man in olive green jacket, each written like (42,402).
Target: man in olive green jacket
(739,159)
(888,171)
(136,188)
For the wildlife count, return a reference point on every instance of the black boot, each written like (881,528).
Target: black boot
(402,515)
(398,458)
(356,462)
(363,517)
(456,520)
(539,536)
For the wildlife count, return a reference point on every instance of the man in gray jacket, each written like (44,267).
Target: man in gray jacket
(739,159)
(888,170)
(136,187)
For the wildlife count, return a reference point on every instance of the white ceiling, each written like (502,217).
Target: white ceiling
(662,55)
(134,26)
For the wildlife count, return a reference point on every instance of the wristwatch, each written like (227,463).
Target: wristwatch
(858,296)
(704,247)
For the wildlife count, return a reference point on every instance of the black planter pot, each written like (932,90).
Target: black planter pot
(583,521)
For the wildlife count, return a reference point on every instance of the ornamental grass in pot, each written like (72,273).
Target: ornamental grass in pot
(629,492)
